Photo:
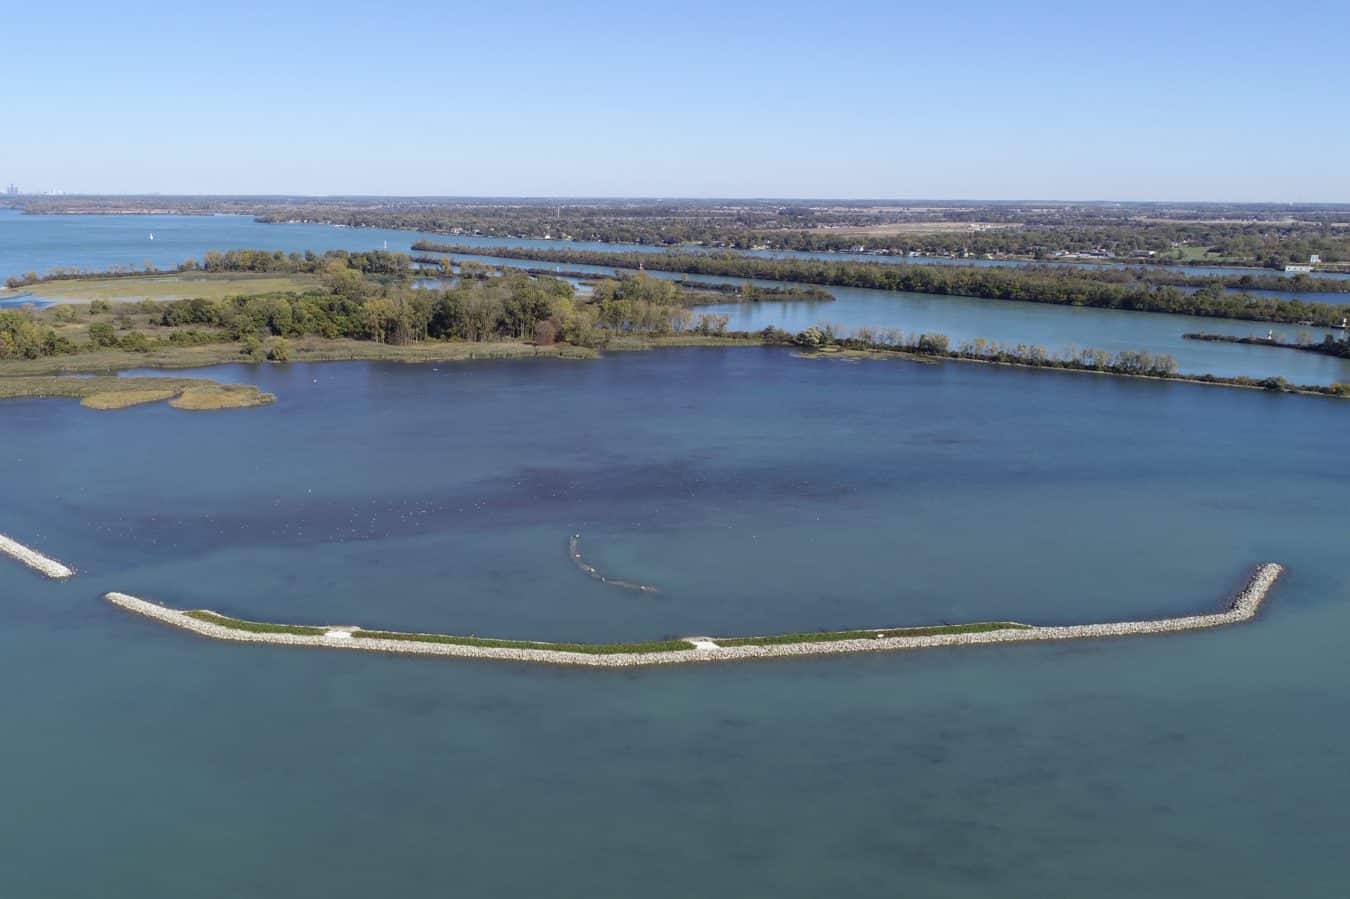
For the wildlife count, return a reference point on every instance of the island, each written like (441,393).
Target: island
(341,305)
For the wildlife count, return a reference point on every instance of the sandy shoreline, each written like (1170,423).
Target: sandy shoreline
(705,649)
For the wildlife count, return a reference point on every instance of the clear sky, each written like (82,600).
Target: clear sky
(965,99)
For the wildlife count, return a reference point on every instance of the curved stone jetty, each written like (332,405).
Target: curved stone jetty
(574,553)
(34,559)
(700,649)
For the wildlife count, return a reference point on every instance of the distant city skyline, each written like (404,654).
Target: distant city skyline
(976,100)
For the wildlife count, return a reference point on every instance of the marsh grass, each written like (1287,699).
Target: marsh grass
(122,399)
(230,396)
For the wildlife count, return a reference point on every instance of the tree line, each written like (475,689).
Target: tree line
(1242,236)
(368,262)
(1134,363)
(1058,286)
(487,304)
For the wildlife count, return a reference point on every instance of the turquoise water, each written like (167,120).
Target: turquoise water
(760,491)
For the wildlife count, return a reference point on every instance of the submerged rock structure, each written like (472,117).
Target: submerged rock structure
(692,649)
(574,553)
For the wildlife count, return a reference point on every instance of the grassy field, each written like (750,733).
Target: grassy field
(1195,254)
(165,287)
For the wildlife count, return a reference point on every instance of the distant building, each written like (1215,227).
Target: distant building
(1314,259)
(12,190)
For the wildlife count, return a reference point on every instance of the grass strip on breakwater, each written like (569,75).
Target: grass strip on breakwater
(1242,607)
(255,627)
(34,559)
(979,627)
(492,643)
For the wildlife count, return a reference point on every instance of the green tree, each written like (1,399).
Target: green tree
(102,334)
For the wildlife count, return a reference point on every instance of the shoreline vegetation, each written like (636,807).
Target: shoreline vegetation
(184,284)
(110,393)
(1328,347)
(694,293)
(867,343)
(1126,290)
(360,307)
(202,622)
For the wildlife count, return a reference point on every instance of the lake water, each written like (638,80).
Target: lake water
(760,492)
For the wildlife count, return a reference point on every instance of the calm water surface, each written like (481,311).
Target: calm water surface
(761,492)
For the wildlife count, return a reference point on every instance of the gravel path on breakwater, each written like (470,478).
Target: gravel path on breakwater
(33,558)
(1242,608)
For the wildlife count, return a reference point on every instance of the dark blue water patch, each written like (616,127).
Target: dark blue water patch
(22,300)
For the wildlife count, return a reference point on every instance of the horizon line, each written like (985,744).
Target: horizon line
(661,198)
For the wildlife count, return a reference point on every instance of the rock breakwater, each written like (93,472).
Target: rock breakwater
(34,559)
(704,649)
(574,553)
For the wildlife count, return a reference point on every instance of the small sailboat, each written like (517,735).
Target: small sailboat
(152,235)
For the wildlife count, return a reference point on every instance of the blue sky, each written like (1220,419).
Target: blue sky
(967,99)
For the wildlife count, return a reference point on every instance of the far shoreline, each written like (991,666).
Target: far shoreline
(69,375)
